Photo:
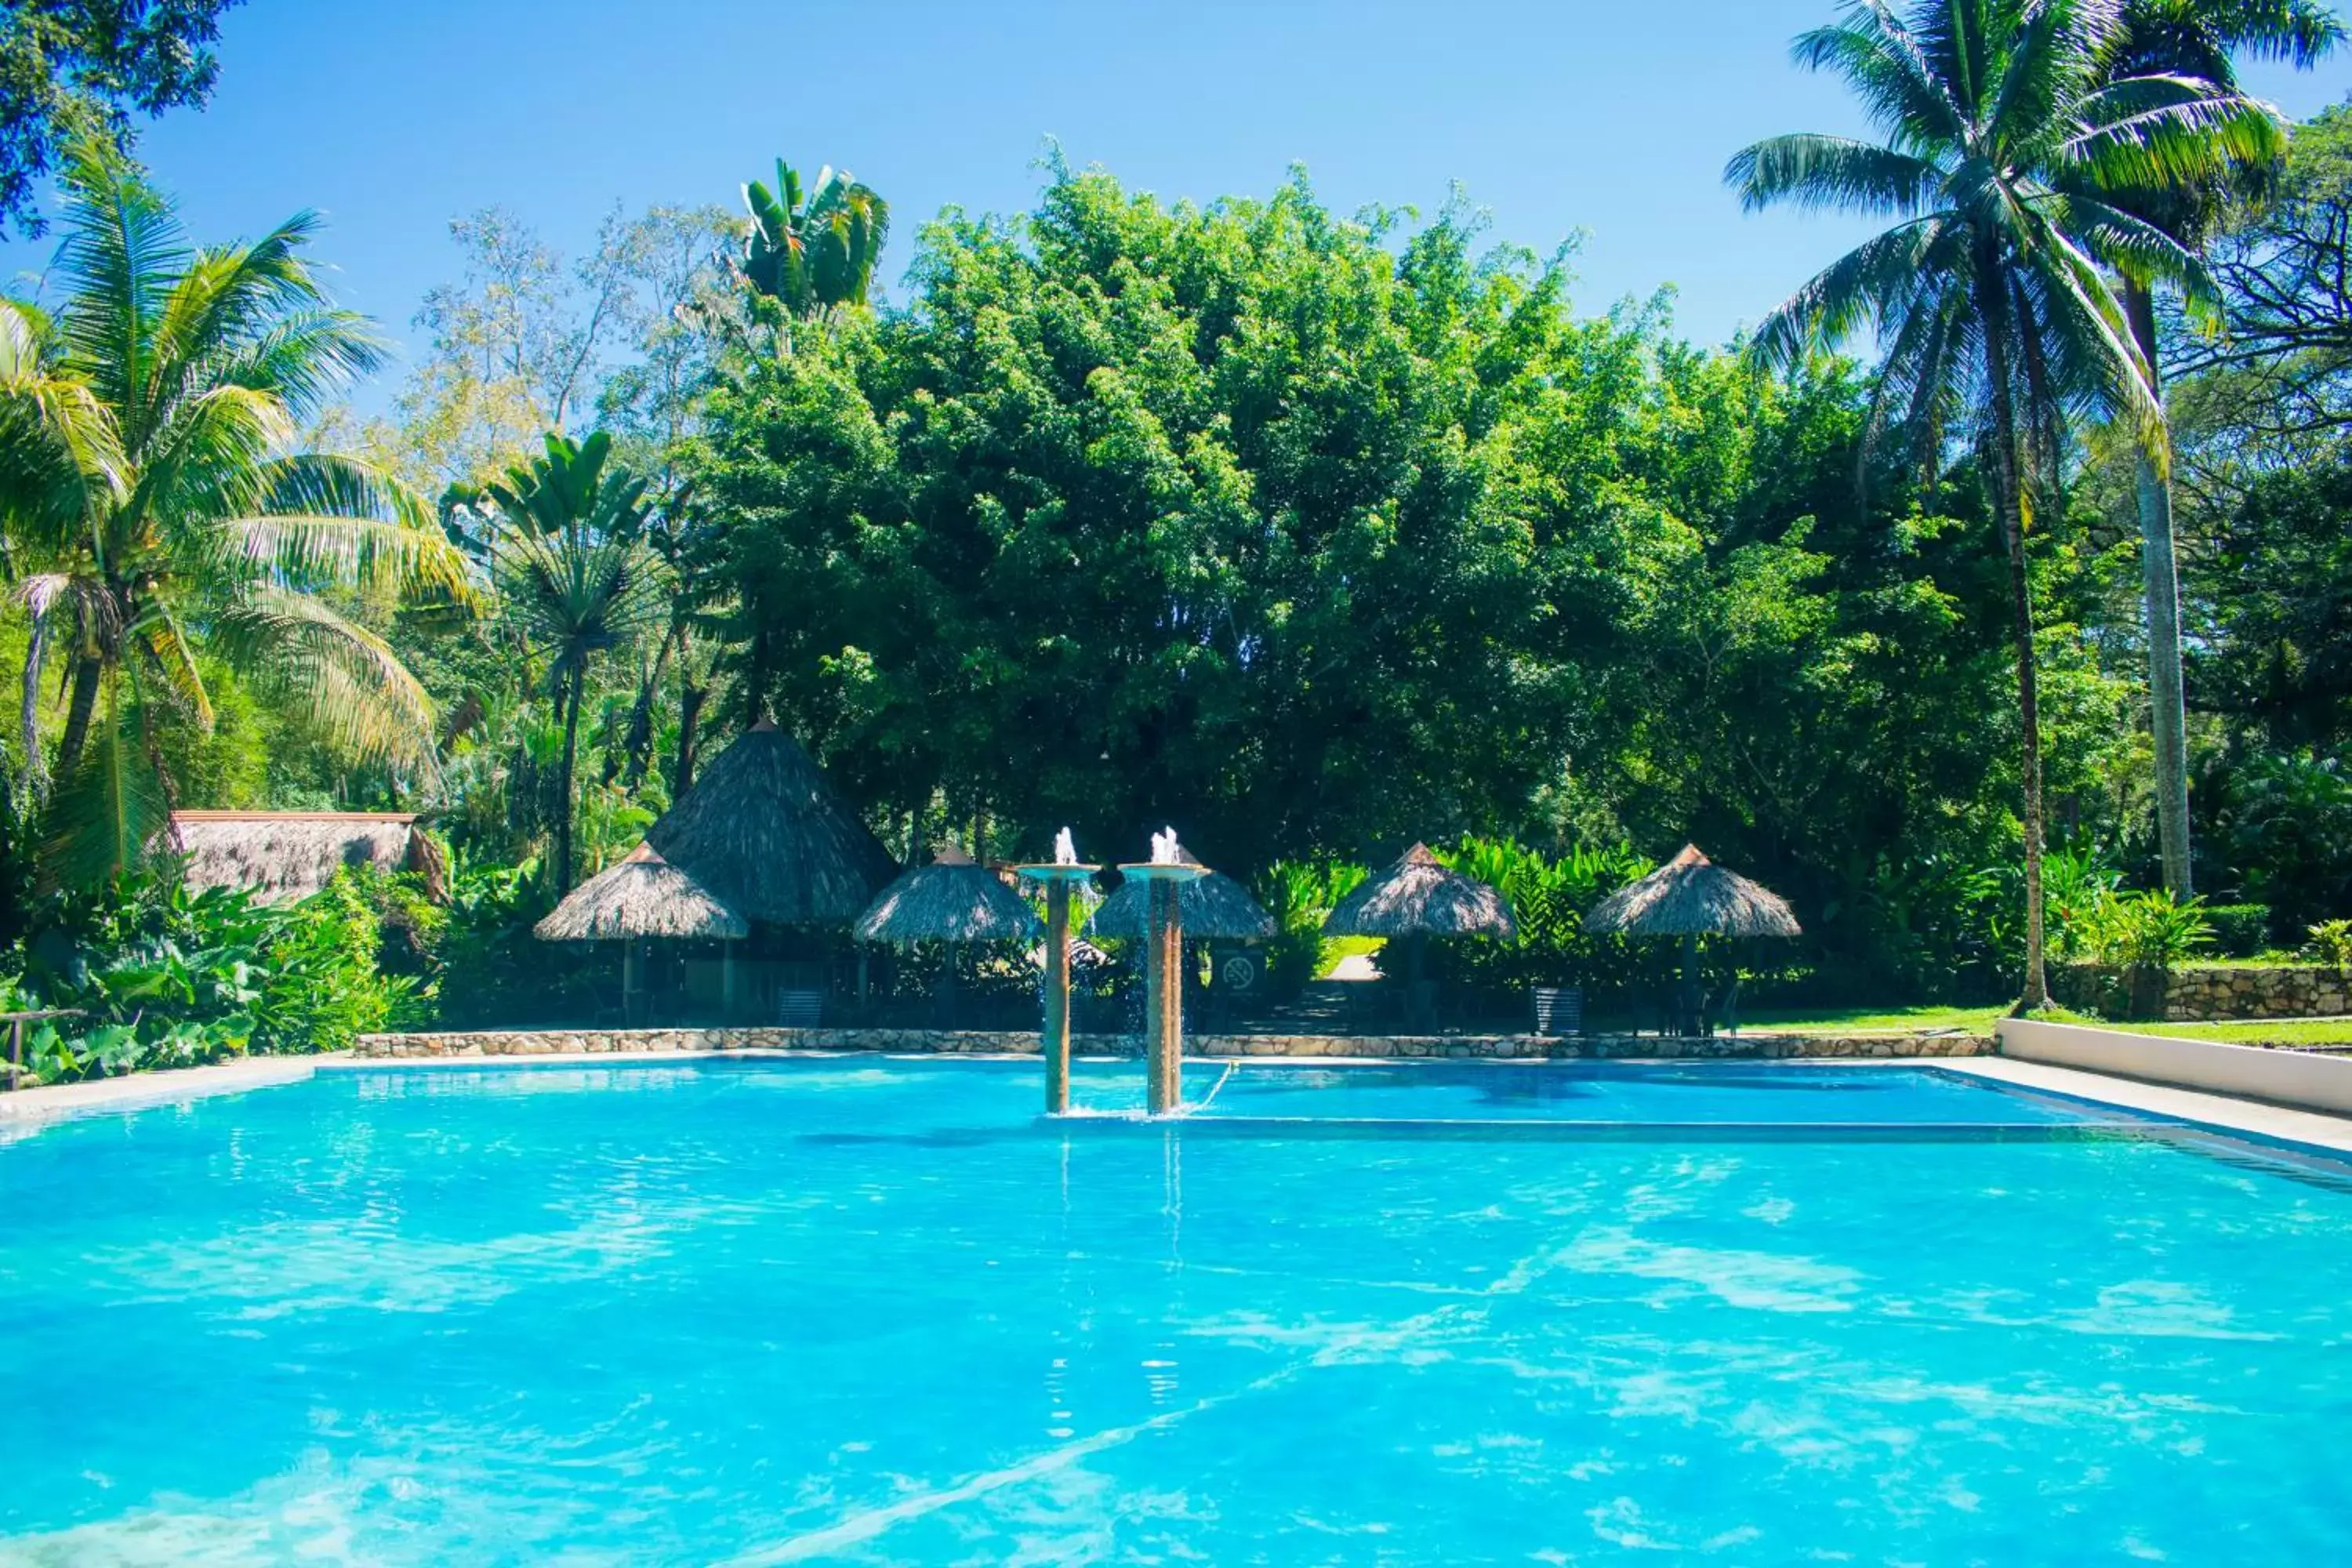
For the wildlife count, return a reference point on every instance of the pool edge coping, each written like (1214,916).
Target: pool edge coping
(27,1107)
(2226,1113)
(171,1085)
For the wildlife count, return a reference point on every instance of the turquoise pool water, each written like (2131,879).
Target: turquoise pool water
(877,1311)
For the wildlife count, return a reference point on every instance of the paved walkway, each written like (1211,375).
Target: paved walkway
(2309,1126)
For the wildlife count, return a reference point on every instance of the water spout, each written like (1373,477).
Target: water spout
(1164,849)
(1065,849)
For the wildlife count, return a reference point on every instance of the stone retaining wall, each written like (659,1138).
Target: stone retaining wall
(2203,992)
(974,1042)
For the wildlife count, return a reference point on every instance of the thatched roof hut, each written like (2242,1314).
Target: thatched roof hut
(641,896)
(283,856)
(950,900)
(763,830)
(1419,896)
(1689,896)
(1215,906)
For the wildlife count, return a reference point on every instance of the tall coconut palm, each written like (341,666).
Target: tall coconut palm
(55,438)
(182,515)
(566,544)
(2197,39)
(812,254)
(1994,316)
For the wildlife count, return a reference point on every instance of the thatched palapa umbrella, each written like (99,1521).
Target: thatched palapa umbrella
(952,899)
(763,829)
(1215,906)
(1689,897)
(641,896)
(1416,898)
(1420,897)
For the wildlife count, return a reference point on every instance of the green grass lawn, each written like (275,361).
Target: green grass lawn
(1867,1020)
(2251,1031)
(1981,1020)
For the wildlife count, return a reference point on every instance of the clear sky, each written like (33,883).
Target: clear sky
(1611,117)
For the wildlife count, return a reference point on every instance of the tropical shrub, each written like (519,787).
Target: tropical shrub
(1940,926)
(2239,931)
(2331,943)
(1549,896)
(489,967)
(1300,895)
(2283,829)
(2150,930)
(166,977)
(2077,884)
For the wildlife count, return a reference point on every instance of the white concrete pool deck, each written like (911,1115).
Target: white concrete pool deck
(25,1110)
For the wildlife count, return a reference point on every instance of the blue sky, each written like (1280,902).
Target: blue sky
(1604,116)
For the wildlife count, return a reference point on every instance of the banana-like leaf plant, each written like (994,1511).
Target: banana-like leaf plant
(812,254)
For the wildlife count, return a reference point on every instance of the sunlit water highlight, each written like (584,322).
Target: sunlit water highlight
(861,1311)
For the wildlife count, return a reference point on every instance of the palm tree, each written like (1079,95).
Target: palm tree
(54,437)
(566,544)
(2196,39)
(177,512)
(815,255)
(1987,295)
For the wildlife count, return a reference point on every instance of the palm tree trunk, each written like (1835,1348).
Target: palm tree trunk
(2160,585)
(28,713)
(692,696)
(563,811)
(87,668)
(640,744)
(2009,504)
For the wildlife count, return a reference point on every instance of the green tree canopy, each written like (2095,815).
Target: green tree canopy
(71,68)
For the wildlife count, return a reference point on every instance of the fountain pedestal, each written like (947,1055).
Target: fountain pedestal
(1163,981)
(1060,878)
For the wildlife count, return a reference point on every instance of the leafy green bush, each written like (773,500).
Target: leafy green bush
(167,977)
(2150,930)
(1300,895)
(1937,926)
(1550,897)
(2331,943)
(2239,931)
(2077,885)
(487,968)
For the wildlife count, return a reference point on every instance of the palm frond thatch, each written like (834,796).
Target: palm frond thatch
(763,829)
(1691,895)
(642,896)
(1418,895)
(950,900)
(282,856)
(1215,906)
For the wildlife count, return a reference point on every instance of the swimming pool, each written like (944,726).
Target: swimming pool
(877,1311)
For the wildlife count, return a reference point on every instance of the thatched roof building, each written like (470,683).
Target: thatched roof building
(950,900)
(1689,896)
(1419,896)
(1215,906)
(642,895)
(762,829)
(282,856)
